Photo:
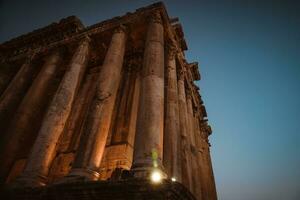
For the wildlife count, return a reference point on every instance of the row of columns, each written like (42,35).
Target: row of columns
(186,153)
(43,150)
(90,152)
(28,112)
(164,127)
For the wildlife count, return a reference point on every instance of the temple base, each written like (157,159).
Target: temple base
(30,180)
(132,189)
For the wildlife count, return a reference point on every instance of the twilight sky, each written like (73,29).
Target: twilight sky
(249,55)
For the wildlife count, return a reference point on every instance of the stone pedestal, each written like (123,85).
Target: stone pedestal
(115,157)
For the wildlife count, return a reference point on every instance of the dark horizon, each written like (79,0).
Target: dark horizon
(248,54)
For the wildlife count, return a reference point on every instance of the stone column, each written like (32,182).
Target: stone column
(90,152)
(13,94)
(30,110)
(203,162)
(190,117)
(134,111)
(210,190)
(213,192)
(199,152)
(72,132)
(148,146)
(183,122)
(43,150)
(171,129)
(191,138)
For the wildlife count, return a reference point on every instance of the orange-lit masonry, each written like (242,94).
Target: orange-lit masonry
(103,102)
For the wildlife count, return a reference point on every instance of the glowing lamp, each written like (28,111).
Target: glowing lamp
(156,176)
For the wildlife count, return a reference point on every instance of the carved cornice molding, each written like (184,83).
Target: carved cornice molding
(56,36)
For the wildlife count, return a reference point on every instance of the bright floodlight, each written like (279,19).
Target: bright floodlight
(156,177)
(173,179)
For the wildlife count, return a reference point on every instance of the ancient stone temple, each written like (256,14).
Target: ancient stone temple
(108,111)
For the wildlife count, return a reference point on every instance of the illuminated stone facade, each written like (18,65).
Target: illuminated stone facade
(110,102)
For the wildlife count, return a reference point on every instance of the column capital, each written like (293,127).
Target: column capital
(188,94)
(172,50)
(181,74)
(121,29)
(55,52)
(84,39)
(29,59)
(205,129)
(155,17)
(134,63)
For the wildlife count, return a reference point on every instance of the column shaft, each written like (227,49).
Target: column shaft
(21,130)
(96,129)
(199,179)
(191,141)
(134,111)
(185,146)
(74,124)
(191,138)
(13,94)
(123,109)
(43,150)
(171,129)
(212,186)
(148,147)
(204,168)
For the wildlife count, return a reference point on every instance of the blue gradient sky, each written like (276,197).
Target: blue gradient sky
(249,60)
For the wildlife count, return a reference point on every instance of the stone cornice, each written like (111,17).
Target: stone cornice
(40,39)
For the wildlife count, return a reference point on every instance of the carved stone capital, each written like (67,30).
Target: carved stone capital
(181,74)
(30,58)
(172,50)
(134,60)
(85,39)
(188,94)
(155,17)
(121,29)
(205,129)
